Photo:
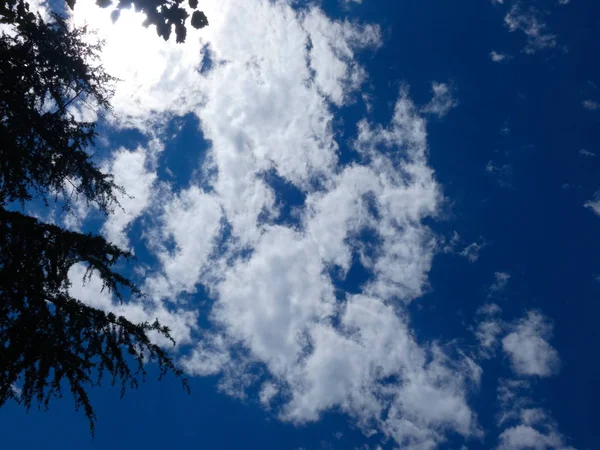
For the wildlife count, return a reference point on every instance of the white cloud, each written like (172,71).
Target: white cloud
(502,173)
(449,244)
(267,392)
(471,251)
(564,2)
(17,391)
(594,205)
(442,101)
(525,341)
(526,426)
(524,437)
(487,333)
(499,56)
(266,106)
(488,330)
(131,172)
(74,218)
(407,193)
(513,395)
(489,309)
(529,23)
(332,53)
(191,220)
(591,105)
(157,76)
(587,153)
(527,346)
(501,280)
(279,302)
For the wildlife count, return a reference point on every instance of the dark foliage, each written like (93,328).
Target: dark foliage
(48,337)
(165,14)
(49,340)
(45,68)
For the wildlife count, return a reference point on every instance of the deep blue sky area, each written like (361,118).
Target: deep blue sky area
(524,118)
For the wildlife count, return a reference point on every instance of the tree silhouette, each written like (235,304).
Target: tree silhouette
(48,339)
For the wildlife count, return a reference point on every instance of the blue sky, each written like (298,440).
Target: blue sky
(369,224)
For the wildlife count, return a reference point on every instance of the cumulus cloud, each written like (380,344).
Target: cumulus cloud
(270,288)
(280,303)
(442,101)
(527,346)
(265,105)
(525,343)
(529,23)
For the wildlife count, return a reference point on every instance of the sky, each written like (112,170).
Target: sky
(369,224)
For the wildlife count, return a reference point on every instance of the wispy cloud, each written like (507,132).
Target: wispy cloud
(586,153)
(17,391)
(449,244)
(471,251)
(590,105)
(502,173)
(594,204)
(498,57)
(529,22)
(501,280)
(442,101)
(488,329)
